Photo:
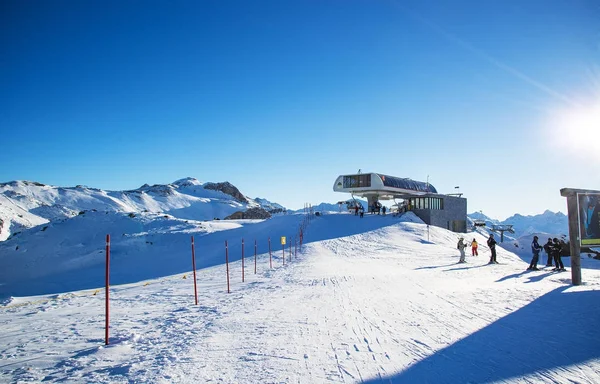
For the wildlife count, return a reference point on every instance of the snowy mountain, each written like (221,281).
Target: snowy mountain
(25,204)
(269,206)
(545,223)
(480,217)
(377,299)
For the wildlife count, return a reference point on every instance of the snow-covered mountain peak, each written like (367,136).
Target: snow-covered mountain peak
(187,182)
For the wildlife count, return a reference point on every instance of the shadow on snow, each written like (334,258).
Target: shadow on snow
(550,332)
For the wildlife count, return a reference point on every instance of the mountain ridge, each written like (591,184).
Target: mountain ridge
(26,204)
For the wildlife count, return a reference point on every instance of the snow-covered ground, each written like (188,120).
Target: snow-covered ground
(378,299)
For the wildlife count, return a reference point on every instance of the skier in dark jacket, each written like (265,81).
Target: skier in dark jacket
(491,242)
(535,248)
(555,251)
(548,249)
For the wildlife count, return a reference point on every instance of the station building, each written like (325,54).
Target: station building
(442,210)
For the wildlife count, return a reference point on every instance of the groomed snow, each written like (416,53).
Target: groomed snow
(378,299)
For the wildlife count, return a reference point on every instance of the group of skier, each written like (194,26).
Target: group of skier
(377,207)
(462,244)
(553,249)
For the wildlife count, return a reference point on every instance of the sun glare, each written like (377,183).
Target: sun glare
(577,130)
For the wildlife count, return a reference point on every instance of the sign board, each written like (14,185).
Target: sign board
(588,209)
(282,240)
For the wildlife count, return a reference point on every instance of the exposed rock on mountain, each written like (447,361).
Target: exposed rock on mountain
(252,213)
(228,189)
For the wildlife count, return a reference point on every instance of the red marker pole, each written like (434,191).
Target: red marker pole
(194,268)
(295,248)
(255,256)
(290,249)
(227,264)
(106,326)
(283,253)
(242,260)
(270,257)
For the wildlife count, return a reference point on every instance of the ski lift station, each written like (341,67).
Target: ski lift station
(442,210)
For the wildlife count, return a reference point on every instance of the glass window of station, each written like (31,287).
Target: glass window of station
(357,181)
(426,203)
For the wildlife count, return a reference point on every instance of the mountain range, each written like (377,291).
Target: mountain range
(27,204)
(547,222)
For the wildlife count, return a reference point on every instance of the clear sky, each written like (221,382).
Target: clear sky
(500,98)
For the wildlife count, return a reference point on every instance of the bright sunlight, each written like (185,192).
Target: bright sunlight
(577,130)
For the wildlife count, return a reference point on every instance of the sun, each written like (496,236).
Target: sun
(577,130)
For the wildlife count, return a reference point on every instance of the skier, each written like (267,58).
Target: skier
(491,242)
(535,248)
(461,247)
(548,250)
(474,248)
(361,211)
(356,210)
(383,210)
(556,249)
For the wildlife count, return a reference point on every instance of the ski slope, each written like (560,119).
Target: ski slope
(379,299)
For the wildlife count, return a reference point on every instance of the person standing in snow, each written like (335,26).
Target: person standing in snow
(548,250)
(383,210)
(536,249)
(361,211)
(555,251)
(474,248)
(356,210)
(491,242)
(461,247)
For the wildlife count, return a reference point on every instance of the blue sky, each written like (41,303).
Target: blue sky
(281,97)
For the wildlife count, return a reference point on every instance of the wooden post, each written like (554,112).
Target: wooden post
(575,247)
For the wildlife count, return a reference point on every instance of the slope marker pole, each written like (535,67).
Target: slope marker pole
(194,268)
(107,306)
(242,260)
(227,265)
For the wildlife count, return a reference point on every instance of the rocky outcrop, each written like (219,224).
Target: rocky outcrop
(252,213)
(228,189)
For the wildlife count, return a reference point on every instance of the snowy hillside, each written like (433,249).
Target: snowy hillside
(25,204)
(378,299)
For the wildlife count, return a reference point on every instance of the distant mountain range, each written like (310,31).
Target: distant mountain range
(547,222)
(26,204)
